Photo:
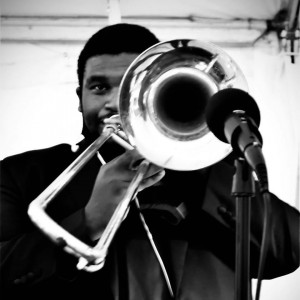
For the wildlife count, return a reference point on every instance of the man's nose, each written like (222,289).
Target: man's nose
(112,102)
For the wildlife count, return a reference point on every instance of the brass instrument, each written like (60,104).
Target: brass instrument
(162,100)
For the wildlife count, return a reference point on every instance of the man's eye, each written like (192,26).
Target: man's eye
(99,88)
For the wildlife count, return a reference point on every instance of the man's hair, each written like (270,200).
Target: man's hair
(115,39)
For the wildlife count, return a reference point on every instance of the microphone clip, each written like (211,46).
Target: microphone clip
(241,131)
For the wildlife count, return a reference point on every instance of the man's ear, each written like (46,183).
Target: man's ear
(78,92)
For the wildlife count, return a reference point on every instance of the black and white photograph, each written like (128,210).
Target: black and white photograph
(150,149)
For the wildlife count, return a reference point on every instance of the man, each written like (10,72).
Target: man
(198,249)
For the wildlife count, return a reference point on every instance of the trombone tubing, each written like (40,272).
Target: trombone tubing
(50,228)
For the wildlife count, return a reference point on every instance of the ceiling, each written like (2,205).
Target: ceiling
(225,22)
(228,9)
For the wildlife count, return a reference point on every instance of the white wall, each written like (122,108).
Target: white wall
(38,105)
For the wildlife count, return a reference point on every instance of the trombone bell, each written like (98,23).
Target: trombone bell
(162,101)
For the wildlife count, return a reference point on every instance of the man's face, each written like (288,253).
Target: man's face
(101,81)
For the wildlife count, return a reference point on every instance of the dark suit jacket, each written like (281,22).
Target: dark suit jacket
(199,252)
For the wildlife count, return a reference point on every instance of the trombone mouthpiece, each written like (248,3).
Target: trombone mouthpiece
(113,122)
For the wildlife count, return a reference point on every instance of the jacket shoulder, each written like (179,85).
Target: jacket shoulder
(34,155)
(25,164)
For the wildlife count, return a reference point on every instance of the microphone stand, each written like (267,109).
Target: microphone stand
(243,189)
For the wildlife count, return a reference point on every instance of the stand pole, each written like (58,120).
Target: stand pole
(243,188)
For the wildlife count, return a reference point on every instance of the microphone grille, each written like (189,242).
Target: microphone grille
(223,103)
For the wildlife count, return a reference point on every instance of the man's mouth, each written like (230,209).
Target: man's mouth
(102,123)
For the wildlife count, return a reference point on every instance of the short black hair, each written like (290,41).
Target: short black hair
(115,39)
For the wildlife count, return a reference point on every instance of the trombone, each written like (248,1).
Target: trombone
(162,100)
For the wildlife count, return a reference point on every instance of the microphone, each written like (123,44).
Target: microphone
(233,116)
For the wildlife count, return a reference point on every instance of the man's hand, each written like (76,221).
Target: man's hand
(110,187)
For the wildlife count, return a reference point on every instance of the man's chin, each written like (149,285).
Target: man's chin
(91,136)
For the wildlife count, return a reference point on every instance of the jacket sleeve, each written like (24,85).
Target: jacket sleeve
(27,255)
(284,231)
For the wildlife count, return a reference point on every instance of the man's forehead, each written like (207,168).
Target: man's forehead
(108,64)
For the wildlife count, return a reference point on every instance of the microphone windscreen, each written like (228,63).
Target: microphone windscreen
(223,103)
